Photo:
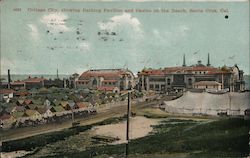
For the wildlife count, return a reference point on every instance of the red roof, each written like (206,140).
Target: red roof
(105,88)
(186,69)
(5,117)
(17,83)
(81,105)
(6,91)
(22,93)
(218,72)
(153,72)
(106,73)
(28,101)
(189,68)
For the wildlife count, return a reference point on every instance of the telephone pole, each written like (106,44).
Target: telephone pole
(127,133)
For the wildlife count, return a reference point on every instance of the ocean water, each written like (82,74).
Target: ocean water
(15,77)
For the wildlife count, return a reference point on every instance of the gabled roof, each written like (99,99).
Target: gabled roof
(18,108)
(64,103)
(28,101)
(31,112)
(17,114)
(42,110)
(57,109)
(20,101)
(82,104)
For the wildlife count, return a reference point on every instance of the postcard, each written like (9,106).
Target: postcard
(124,78)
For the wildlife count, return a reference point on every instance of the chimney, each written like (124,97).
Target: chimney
(208,60)
(9,80)
(184,61)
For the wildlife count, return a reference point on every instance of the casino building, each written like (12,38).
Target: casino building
(196,76)
(106,79)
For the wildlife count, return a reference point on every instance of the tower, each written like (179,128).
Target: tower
(184,61)
(57,76)
(208,60)
(9,80)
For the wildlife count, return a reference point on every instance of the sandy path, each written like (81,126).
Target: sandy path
(139,127)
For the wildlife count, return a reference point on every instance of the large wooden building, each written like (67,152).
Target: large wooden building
(184,77)
(106,79)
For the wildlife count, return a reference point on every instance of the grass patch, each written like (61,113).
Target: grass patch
(221,138)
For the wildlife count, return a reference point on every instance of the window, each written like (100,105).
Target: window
(94,82)
(190,81)
(151,86)
(168,81)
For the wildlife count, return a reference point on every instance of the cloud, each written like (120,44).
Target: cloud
(123,23)
(56,21)
(33,31)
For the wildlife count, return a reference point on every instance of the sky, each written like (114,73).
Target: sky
(40,42)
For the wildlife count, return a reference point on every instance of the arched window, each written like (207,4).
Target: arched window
(94,82)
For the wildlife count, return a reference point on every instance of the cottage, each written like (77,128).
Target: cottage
(18,109)
(18,115)
(46,113)
(58,110)
(27,102)
(32,114)
(6,120)
(20,102)
(65,105)
(81,105)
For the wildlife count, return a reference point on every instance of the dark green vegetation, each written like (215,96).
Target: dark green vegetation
(227,137)
(222,138)
(33,142)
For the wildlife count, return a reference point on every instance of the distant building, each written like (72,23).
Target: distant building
(188,77)
(109,79)
(34,82)
(6,94)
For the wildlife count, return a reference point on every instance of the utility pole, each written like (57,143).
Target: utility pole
(127,133)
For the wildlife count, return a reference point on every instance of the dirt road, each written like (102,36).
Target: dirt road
(100,116)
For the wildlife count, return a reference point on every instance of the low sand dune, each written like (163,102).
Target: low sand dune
(139,127)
